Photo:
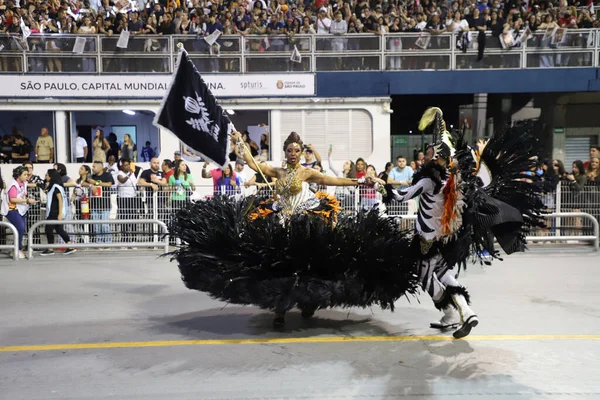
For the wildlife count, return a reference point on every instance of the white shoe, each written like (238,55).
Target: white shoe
(450,320)
(21,255)
(467,316)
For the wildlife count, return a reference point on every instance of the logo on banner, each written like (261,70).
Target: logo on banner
(197,107)
(290,85)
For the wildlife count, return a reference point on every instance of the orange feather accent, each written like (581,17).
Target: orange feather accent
(450,199)
(262,211)
(334,206)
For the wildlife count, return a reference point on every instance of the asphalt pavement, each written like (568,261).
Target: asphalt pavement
(121,325)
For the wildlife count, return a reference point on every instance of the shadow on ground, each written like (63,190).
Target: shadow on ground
(251,321)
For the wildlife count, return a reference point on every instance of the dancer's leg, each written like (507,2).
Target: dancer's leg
(457,296)
(428,279)
(308,310)
(279,320)
(431,283)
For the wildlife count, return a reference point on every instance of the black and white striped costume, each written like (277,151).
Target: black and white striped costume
(469,196)
(435,273)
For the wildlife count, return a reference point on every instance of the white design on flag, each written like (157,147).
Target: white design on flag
(214,132)
(202,124)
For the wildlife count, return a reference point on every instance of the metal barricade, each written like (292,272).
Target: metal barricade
(594,238)
(102,243)
(571,198)
(15,245)
(134,215)
(565,238)
(36,212)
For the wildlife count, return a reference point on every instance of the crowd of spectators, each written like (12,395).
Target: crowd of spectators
(510,22)
(260,17)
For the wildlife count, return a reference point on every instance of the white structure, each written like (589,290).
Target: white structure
(354,127)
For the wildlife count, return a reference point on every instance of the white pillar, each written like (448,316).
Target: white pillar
(169,144)
(62,137)
(479,115)
(275,141)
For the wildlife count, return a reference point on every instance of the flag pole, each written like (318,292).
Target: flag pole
(248,152)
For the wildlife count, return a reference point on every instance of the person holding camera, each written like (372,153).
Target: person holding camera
(16,204)
(311,156)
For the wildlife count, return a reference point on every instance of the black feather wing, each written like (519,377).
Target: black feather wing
(510,204)
(362,260)
(510,156)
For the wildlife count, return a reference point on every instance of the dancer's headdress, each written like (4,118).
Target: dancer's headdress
(432,122)
(293,138)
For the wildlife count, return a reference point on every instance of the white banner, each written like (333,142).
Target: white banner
(151,86)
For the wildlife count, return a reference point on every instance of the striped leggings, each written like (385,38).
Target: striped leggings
(435,276)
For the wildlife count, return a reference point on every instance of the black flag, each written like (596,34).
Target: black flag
(191,112)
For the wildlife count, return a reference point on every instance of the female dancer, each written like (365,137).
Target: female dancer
(292,250)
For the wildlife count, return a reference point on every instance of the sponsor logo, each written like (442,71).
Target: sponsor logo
(290,85)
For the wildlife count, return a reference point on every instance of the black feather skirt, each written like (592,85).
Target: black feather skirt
(308,262)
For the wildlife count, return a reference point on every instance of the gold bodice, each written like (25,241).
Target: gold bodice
(291,185)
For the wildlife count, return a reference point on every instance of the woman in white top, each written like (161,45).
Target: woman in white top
(457,23)
(88,28)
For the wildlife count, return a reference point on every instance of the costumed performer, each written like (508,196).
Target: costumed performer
(292,249)
(293,182)
(466,198)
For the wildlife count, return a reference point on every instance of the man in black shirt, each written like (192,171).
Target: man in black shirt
(155,198)
(369,21)
(21,148)
(100,183)
(153,177)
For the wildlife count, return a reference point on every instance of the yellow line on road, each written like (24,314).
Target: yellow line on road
(324,339)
